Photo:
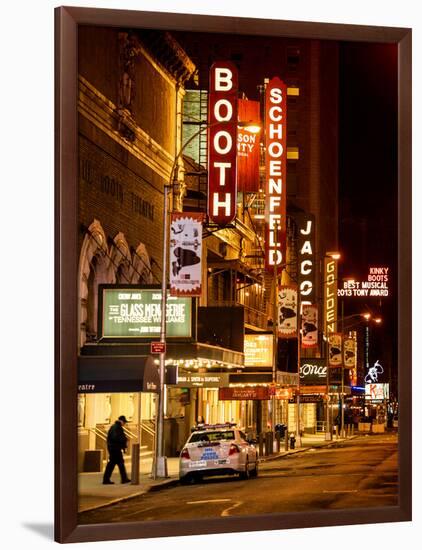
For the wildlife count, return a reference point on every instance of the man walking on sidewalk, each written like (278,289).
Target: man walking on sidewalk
(116,443)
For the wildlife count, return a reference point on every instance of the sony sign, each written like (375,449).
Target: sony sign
(222,143)
(306,245)
(275,169)
(313,371)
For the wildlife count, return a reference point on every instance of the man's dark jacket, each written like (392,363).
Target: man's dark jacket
(116,439)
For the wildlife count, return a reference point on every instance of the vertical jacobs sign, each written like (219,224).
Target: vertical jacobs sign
(306,242)
(222,143)
(275,169)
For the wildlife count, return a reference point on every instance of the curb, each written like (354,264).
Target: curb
(152,488)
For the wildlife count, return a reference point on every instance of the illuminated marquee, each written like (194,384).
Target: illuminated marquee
(275,169)
(376,284)
(306,237)
(330,295)
(222,143)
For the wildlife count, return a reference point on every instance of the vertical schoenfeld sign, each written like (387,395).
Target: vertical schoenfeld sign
(222,142)
(275,170)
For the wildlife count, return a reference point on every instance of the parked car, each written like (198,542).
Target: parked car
(220,449)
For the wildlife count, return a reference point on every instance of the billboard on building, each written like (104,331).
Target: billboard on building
(135,312)
(309,326)
(248,147)
(306,259)
(313,371)
(222,142)
(335,347)
(330,295)
(259,350)
(287,311)
(377,392)
(185,254)
(275,173)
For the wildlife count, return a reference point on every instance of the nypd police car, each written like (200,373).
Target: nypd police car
(219,449)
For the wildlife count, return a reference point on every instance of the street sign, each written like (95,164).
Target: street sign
(158,347)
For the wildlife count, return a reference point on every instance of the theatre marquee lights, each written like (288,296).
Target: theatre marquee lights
(275,169)
(222,143)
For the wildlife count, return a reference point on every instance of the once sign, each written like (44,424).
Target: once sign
(222,142)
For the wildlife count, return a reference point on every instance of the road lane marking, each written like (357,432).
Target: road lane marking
(209,501)
(227,510)
(345,491)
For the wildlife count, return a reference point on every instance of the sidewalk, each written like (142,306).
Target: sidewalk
(93,494)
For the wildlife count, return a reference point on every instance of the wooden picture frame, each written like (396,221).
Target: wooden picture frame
(67,20)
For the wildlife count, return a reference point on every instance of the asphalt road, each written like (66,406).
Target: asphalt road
(358,473)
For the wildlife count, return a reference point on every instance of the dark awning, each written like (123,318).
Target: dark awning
(115,374)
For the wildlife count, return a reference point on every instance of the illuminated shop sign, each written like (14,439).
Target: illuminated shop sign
(374,372)
(313,371)
(275,170)
(375,285)
(134,312)
(222,142)
(330,295)
(377,392)
(306,245)
(244,393)
(258,350)
(198,379)
(248,148)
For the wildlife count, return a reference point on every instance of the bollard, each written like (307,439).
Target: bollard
(286,441)
(261,444)
(277,441)
(267,443)
(353,429)
(135,464)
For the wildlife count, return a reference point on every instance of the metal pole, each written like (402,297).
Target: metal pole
(342,372)
(274,370)
(160,463)
(298,437)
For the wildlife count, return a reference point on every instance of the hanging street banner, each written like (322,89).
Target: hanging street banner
(335,358)
(185,254)
(330,295)
(222,142)
(309,326)
(349,353)
(248,147)
(134,312)
(306,246)
(275,173)
(287,311)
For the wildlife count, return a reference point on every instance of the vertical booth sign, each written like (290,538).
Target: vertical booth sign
(222,142)
(275,170)
(287,311)
(309,326)
(186,254)
(248,148)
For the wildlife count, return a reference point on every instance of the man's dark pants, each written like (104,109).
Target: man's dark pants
(116,458)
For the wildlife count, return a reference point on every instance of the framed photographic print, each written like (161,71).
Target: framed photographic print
(233,274)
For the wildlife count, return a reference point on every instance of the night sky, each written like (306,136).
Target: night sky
(368,181)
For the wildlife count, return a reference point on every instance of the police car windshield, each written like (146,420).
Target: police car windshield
(212,436)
